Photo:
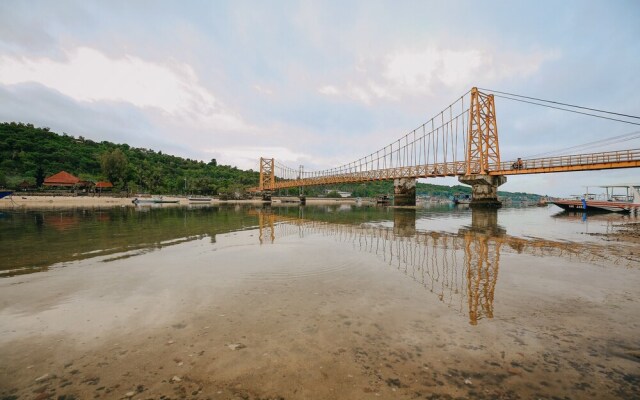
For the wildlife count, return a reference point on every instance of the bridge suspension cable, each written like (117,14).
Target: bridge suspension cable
(516,97)
(562,104)
(442,140)
(598,143)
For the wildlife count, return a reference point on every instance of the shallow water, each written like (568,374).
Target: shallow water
(317,302)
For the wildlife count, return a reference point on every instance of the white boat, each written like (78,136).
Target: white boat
(153,200)
(617,198)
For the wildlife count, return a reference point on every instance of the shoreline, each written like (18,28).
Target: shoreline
(36,202)
(628,232)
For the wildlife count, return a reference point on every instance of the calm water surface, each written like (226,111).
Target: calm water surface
(317,302)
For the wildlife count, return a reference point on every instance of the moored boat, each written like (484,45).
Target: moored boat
(543,201)
(153,200)
(460,198)
(607,202)
(5,193)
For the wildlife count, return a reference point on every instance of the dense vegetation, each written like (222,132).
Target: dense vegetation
(29,154)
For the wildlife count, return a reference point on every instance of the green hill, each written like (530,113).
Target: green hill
(30,153)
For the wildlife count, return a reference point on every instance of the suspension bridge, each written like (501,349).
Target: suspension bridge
(461,141)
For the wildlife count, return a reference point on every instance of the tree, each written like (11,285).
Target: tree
(114,165)
(132,187)
(39,176)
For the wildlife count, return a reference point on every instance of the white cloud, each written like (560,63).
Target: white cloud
(459,67)
(414,72)
(329,90)
(411,71)
(88,75)
(249,156)
(263,90)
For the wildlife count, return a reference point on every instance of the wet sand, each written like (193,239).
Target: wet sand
(314,318)
(627,233)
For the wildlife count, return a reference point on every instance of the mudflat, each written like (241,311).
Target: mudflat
(323,311)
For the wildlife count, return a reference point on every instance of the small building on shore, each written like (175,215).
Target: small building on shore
(61,179)
(103,186)
(65,180)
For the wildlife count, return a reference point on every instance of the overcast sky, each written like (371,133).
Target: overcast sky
(319,83)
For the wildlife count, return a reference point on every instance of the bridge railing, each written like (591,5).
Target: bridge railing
(418,171)
(571,160)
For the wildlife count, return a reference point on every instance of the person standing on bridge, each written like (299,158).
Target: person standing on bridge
(518,164)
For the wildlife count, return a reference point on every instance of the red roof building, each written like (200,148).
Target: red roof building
(62,178)
(104,185)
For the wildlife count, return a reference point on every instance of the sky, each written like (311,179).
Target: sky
(317,83)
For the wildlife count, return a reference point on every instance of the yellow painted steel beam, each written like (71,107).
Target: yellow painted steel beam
(568,168)
(267,177)
(482,140)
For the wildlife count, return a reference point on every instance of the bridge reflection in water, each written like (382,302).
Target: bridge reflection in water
(461,268)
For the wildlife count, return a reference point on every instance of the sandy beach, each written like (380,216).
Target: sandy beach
(25,201)
(18,200)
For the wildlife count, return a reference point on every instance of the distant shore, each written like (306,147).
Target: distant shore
(35,202)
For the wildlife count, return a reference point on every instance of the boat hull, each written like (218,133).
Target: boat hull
(597,206)
(154,201)
(5,193)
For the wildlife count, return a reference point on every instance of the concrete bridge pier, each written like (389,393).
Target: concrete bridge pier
(484,189)
(404,190)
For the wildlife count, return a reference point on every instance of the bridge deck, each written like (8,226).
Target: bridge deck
(580,162)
